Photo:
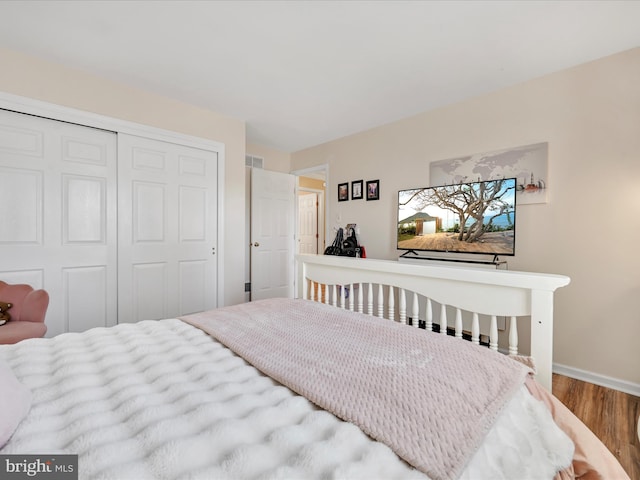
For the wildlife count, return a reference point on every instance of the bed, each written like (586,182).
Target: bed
(321,386)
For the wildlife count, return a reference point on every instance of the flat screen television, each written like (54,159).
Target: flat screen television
(476,218)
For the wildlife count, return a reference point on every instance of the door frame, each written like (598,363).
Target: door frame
(324,168)
(53,111)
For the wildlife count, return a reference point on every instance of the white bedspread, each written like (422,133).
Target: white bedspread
(161,399)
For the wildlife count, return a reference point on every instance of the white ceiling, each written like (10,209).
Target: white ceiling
(301,73)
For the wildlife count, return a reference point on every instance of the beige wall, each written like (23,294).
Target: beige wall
(589,230)
(274,160)
(313,183)
(34,78)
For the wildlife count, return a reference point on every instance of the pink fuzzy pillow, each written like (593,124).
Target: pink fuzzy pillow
(16,401)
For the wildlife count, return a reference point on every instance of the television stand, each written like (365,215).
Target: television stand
(413,255)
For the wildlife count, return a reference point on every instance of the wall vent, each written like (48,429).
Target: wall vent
(254,161)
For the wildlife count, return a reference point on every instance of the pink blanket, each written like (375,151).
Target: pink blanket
(429,397)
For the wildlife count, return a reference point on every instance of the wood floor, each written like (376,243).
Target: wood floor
(610,414)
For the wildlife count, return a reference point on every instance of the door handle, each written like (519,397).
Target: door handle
(256,244)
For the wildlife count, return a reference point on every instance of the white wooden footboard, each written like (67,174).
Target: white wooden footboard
(405,292)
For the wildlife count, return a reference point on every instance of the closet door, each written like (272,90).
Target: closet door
(167,229)
(58,212)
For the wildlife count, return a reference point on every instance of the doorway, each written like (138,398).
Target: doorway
(311,210)
(310,184)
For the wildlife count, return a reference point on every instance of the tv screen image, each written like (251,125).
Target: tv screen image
(477,217)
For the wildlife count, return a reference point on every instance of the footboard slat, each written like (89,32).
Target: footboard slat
(493,333)
(415,311)
(474,298)
(443,319)
(513,336)
(429,315)
(458,323)
(475,329)
(402,307)
(351,297)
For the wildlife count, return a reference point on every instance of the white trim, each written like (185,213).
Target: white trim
(304,171)
(220,229)
(71,115)
(598,379)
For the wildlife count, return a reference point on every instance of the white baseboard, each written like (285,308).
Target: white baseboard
(597,379)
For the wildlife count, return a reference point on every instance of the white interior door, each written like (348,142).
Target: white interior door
(167,232)
(58,209)
(308,223)
(272,234)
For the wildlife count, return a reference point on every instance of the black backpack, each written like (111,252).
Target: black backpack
(350,245)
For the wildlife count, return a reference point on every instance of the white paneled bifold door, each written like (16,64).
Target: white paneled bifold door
(167,198)
(58,213)
(117,228)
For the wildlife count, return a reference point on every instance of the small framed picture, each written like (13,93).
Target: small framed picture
(343,192)
(356,190)
(373,189)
